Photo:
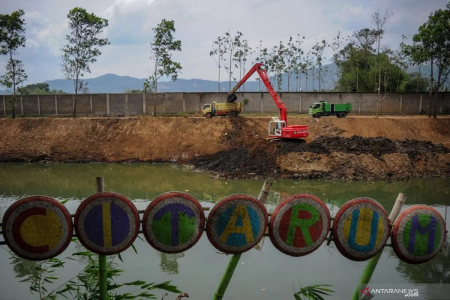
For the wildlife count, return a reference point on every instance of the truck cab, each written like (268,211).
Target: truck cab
(322,108)
(206,109)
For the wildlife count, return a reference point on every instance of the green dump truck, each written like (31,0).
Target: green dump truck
(323,108)
(221,109)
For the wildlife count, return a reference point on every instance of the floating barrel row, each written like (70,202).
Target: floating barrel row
(39,227)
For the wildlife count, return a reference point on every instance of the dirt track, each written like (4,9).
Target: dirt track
(387,147)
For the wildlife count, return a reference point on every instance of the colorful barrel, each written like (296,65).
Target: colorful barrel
(37,228)
(173,222)
(236,223)
(107,223)
(418,234)
(299,224)
(360,229)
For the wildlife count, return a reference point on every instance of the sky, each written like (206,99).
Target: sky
(198,23)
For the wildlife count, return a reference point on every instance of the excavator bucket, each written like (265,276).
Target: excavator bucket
(231,98)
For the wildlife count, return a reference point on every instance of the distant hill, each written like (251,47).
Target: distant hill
(111,83)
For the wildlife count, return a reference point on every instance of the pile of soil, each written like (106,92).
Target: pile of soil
(329,156)
(375,146)
(350,148)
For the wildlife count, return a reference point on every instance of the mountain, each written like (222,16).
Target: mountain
(111,83)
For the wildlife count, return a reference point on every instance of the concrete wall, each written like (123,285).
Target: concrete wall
(170,103)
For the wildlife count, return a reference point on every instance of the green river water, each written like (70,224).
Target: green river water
(263,272)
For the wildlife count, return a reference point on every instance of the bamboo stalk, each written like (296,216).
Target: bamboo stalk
(234,260)
(102,275)
(371,265)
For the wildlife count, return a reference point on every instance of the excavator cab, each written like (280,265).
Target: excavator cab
(276,127)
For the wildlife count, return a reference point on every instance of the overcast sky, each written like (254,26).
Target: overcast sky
(198,23)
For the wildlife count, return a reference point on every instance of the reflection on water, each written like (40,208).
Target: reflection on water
(265,267)
(436,270)
(169,263)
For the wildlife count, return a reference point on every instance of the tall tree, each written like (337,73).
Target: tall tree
(299,65)
(231,43)
(433,41)
(307,64)
(163,45)
(379,20)
(247,51)
(338,42)
(290,58)
(12,37)
(83,47)
(264,58)
(218,49)
(240,56)
(317,51)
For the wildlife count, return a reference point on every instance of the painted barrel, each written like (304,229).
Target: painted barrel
(37,228)
(173,222)
(107,223)
(418,234)
(299,224)
(236,223)
(361,228)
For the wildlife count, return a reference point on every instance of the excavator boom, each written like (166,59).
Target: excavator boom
(265,79)
(279,127)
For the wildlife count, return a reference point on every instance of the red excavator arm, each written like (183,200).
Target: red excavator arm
(285,131)
(263,75)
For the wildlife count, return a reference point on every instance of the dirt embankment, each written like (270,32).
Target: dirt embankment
(351,148)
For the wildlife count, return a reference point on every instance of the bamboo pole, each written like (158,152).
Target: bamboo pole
(102,275)
(236,257)
(371,265)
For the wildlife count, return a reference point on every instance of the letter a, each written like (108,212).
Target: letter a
(246,228)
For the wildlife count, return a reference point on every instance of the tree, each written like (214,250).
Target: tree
(12,37)
(416,83)
(38,89)
(163,45)
(219,50)
(336,47)
(277,63)
(307,65)
(264,58)
(231,43)
(379,20)
(83,47)
(317,51)
(290,58)
(433,41)
(299,65)
(363,39)
(240,55)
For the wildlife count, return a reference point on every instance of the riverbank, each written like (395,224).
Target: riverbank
(350,148)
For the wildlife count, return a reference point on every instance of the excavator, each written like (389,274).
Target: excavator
(278,127)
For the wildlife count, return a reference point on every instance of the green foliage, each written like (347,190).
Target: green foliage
(150,84)
(431,44)
(231,43)
(12,37)
(12,32)
(85,284)
(131,91)
(313,292)
(245,101)
(416,83)
(317,51)
(38,89)
(218,49)
(83,46)
(162,46)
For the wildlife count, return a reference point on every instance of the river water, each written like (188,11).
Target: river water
(263,272)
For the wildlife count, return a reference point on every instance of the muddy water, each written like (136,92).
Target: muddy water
(264,272)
